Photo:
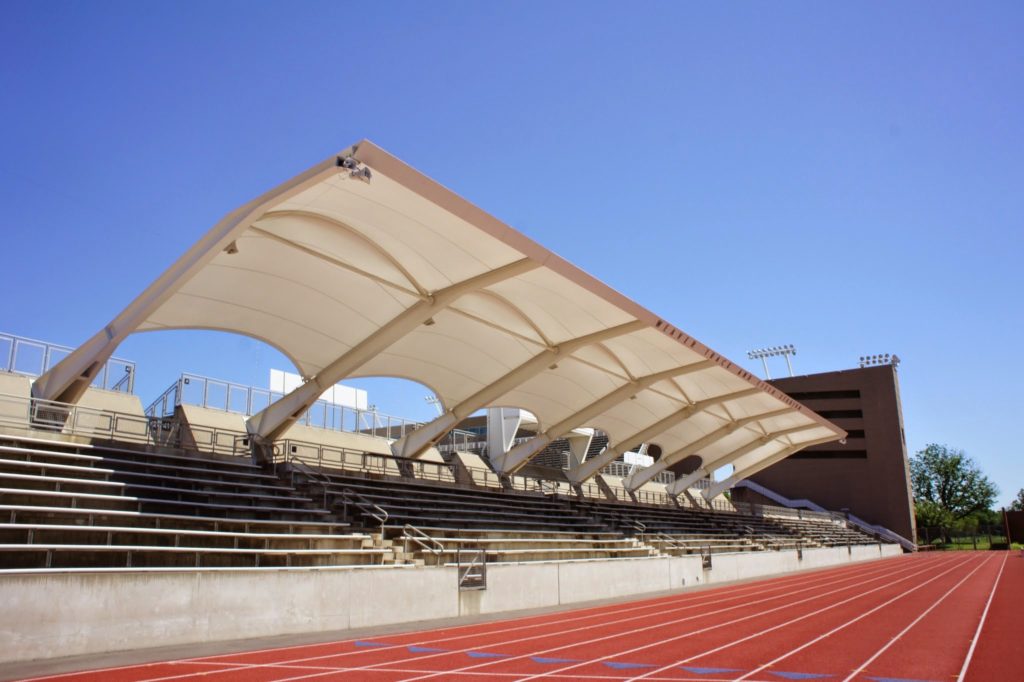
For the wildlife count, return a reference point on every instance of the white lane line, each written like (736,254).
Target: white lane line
(733,643)
(794,620)
(688,605)
(690,599)
(619,634)
(909,627)
(984,615)
(574,676)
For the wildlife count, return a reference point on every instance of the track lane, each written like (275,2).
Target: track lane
(1006,625)
(556,648)
(842,639)
(394,661)
(701,644)
(400,641)
(379,656)
(912,653)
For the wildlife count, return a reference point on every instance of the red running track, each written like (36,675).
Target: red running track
(932,617)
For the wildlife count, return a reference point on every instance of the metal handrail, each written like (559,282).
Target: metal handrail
(425,542)
(47,354)
(125,380)
(365,505)
(368,507)
(669,539)
(227,396)
(310,472)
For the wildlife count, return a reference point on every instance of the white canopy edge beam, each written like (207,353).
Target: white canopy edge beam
(706,467)
(646,474)
(595,464)
(68,380)
(271,423)
(419,441)
(716,489)
(518,456)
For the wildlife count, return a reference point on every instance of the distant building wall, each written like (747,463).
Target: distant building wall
(870,474)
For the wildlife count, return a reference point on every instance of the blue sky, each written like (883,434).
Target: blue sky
(846,178)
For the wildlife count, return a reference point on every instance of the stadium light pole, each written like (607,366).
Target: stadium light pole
(760,354)
(784,350)
(436,402)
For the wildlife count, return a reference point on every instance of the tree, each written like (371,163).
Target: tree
(948,486)
(1018,504)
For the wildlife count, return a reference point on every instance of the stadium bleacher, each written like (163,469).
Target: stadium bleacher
(67,505)
(70,505)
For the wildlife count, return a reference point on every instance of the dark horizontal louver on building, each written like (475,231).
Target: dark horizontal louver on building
(830,454)
(824,395)
(841,414)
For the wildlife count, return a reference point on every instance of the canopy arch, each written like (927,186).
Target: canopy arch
(362,266)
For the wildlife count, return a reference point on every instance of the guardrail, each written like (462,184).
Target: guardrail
(227,396)
(622,470)
(18,412)
(368,507)
(31,357)
(411,533)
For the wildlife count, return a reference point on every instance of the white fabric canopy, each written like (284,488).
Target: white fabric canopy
(364,267)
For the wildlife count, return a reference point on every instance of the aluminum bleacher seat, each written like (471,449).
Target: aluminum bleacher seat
(66,506)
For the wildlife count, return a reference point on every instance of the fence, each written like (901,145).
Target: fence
(22,355)
(226,396)
(966,536)
(20,413)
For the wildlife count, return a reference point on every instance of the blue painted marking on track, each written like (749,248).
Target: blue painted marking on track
(486,654)
(553,661)
(627,666)
(362,643)
(709,671)
(798,676)
(424,650)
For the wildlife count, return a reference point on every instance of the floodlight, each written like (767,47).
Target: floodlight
(879,359)
(761,354)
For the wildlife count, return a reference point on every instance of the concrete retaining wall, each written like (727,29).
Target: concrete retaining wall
(65,614)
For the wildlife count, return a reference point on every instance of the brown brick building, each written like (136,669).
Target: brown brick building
(870,474)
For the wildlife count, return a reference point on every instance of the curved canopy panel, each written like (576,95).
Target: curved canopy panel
(362,266)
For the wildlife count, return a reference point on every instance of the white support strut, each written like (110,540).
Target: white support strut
(417,442)
(271,423)
(718,488)
(647,473)
(521,454)
(68,380)
(595,464)
(706,467)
